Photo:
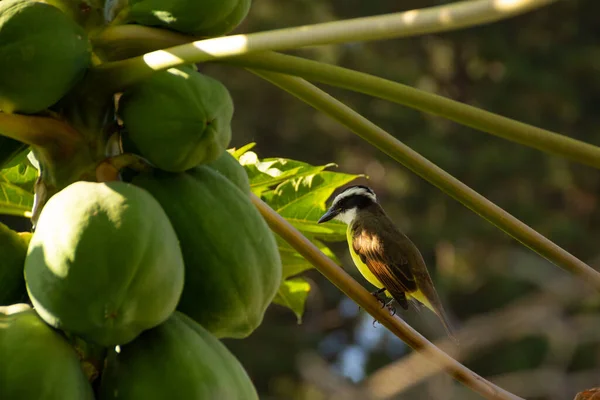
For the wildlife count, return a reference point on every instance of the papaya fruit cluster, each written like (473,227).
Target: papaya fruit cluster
(126,285)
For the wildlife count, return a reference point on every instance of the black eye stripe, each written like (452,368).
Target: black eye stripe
(358,201)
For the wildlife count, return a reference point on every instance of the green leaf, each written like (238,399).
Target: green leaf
(269,172)
(23,175)
(293,263)
(292,294)
(16,189)
(237,153)
(11,152)
(302,201)
(298,191)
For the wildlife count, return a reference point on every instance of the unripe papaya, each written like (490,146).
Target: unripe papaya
(196,366)
(231,169)
(43,53)
(178,118)
(233,267)
(104,262)
(200,18)
(13,249)
(37,362)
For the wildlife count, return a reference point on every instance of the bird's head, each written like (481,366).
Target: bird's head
(346,204)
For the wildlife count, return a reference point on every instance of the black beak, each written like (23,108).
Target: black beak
(329,215)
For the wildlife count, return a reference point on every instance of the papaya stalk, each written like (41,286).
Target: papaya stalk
(129,160)
(58,147)
(132,40)
(91,356)
(124,41)
(53,134)
(69,144)
(108,170)
(121,74)
(105,172)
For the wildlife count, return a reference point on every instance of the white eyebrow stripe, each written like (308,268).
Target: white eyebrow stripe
(354,191)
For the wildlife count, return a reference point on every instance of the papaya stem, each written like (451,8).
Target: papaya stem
(130,160)
(115,76)
(91,356)
(406,156)
(105,172)
(124,41)
(39,131)
(108,170)
(131,40)
(365,300)
(485,121)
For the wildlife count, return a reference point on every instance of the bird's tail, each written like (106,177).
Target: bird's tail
(438,310)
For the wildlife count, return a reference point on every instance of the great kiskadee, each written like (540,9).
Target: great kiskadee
(383,254)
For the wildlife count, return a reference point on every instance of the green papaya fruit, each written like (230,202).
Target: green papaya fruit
(104,262)
(197,366)
(177,119)
(37,362)
(200,18)
(231,169)
(13,249)
(232,264)
(87,13)
(43,53)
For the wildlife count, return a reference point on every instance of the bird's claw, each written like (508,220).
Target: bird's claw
(376,295)
(392,309)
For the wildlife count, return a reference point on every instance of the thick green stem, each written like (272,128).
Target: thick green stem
(432,173)
(120,74)
(129,160)
(474,117)
(132,40)
(365,300)
(39,131)
(124,41)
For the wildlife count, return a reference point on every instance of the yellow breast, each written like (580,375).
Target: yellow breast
(372,279)
(362,267)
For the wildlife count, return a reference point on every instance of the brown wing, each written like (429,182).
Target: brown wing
(387,261)
(395,261)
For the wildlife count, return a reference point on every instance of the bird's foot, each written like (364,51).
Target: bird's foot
(377,294)
(391,308)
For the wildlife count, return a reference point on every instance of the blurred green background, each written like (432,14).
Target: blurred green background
(527,325)
(531,328)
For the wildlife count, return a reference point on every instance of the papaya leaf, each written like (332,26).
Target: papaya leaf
(269,172)
(302,201)
(293,263)
(292,294)
(237,153)
(12,152)
(298,191)
(16,190)
(22,175)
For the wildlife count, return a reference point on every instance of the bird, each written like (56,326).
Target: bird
(384,255)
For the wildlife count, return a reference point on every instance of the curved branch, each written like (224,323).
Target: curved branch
(120,74)
(541,139)
(432,173)
(365,300)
